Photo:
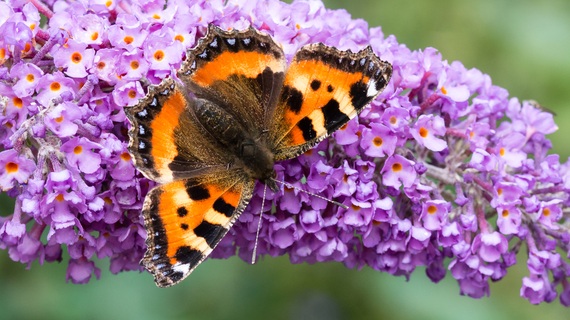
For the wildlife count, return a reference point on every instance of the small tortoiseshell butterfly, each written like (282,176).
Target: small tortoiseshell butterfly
(251,110)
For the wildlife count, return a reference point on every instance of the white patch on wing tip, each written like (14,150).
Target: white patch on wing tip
(371,88)
(180,267)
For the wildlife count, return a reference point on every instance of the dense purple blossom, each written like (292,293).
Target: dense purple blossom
(423,171)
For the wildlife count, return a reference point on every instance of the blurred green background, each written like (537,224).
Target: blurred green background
(523,45)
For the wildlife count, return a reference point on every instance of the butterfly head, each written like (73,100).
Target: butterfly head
(258,162)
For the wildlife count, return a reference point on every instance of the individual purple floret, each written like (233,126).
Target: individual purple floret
(442,169)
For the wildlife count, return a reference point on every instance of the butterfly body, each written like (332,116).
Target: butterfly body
(251,110)
(251,153)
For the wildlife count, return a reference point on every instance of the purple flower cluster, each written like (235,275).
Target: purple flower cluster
(443,164)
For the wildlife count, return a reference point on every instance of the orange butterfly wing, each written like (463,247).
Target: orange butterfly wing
(186,219)
(324,88)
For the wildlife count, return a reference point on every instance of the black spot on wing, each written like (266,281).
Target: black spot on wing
(182,212)
(184,226)
(330,88)
(380,83)
(358,95)
(224,208)
(197,193)
(306,126)
(334,118)
(293,98)
(315,85)
(187,255)
(208,231)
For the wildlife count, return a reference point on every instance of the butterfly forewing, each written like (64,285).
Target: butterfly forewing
(186,219)
(166,141)
(324,88)
(241,71)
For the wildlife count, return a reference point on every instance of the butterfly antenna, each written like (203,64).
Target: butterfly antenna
(258,227)
(314,195)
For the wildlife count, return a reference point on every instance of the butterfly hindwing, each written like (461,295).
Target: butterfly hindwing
(324,88)
(166,141)
(186,219)
(241,71)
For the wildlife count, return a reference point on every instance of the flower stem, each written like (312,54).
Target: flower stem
(42,8)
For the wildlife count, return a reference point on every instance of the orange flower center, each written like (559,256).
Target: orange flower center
(55,86)
(156,16)
(359,134)
(502,152)
(499,191)
(18,102)
(393,120)
(179,38)
(355,208)
(126,156)
(134,65)
(396,167)
(423,132)
(376,223)
(309,152)
(128,39)
(345,178)
(2,53)
(288,189)
(377,141)
(344,126)
(78,149)
(59,197)
(132,94)
(159,55)
(443,90)
(546,212)
(108,200)
(11,167)
(101,65)
(9,125)
(30,77)
(59,119)
(27,47)
(365,168)
(76,57)
(432,209)
(505,213)
(94,36)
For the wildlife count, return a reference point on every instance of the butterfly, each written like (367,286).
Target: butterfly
(248,110)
